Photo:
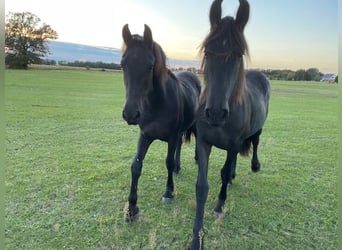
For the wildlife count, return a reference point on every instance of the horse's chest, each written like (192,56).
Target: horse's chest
(157,130)
(217,137)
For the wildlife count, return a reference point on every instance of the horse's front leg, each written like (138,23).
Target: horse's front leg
(202,188)
(226,175)
(170,165)
(133,210)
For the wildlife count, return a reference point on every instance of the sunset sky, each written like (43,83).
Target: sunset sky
(282,34)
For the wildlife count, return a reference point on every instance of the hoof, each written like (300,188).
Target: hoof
(176,172)
(132,215)
(217,214)
(219,208)
(167,200)
(255,167)
(197,241)
(218,211)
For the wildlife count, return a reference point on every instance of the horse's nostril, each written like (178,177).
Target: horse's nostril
(132,117)
(224,113)
(216,114)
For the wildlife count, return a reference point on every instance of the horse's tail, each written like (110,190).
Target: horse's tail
(247,144)
(187,134)
(246,147)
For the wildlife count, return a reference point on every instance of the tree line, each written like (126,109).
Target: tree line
(311,74)
(84,64)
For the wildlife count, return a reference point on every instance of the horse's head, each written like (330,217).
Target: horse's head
(223,64)
(138,62)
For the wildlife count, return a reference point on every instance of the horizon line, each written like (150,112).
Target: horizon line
(197,60)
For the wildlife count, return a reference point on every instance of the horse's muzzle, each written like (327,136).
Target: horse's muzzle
(132,118)
(216,117)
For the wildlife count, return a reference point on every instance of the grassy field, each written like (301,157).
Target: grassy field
(68,155)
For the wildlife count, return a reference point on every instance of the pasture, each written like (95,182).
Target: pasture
(67,175)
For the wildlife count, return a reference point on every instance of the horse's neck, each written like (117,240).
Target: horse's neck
(165,85)
(156,97)
(165,90)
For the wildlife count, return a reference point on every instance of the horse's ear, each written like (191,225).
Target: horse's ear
(126,35)
(215,13)
(148,40)
(242,15)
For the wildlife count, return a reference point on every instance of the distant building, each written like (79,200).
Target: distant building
(329,78)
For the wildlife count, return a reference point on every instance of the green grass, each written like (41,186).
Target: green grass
(68,156)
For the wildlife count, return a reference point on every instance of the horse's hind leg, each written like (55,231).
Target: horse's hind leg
(170,165)
(232,168)
(177,167)
(194,131)
(133,210)
(255,164)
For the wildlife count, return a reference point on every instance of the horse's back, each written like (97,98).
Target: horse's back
(189,79)
(190,86)
(258,89)
(258,81)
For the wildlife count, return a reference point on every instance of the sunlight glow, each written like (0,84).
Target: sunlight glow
(275,40)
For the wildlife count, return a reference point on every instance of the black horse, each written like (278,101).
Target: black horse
(163,104)
(233,106)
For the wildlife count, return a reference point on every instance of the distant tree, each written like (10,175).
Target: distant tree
(336,79)
(26,39)
(49,62)
(313,74)
(191,69)
(290,76)
(300,75)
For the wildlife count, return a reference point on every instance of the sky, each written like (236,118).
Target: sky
(281,34)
